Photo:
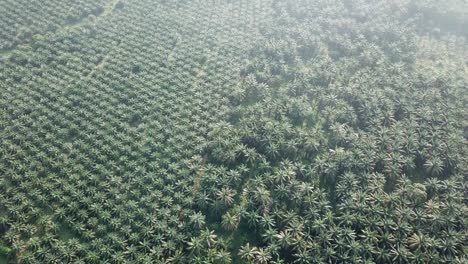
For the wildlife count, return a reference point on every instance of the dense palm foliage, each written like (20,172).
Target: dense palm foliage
(233,131)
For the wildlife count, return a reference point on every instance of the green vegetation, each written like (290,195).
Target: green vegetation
(233,131)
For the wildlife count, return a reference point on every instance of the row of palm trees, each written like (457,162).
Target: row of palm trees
(99,125)
(22,21)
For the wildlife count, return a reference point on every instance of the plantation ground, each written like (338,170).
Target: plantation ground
(233,131)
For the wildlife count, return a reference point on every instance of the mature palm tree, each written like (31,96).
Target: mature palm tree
(303,256)
(222,256)
(434,166)
(209,237)
(415,241)
(197,219)
(285,238)
(230,221)
(267,222)
(262,256)
(400,254)
(297,229)
(262,196)
(225,195)
(196,245)
(247,253)
(451,243)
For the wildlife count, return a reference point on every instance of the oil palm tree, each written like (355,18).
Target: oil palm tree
(225,195)
(247,253)
(197,219)
(230,221)
(262,256)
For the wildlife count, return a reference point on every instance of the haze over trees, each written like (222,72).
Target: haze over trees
(233,131)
